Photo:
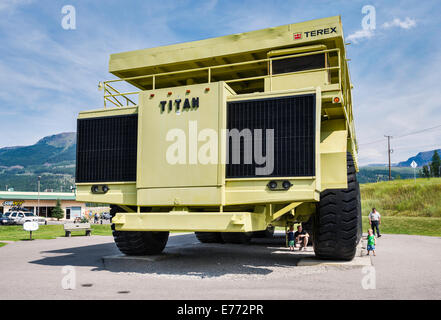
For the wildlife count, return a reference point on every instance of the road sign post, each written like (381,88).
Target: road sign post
(414,165)
(30,226)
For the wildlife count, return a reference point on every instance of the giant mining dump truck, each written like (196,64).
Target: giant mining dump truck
(229,138)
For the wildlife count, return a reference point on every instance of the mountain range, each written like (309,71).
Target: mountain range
(421,159)
(49,150)
(52,158)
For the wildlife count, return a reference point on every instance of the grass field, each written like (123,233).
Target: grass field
(403,198)
(408,225)
(15,233)
(422,226)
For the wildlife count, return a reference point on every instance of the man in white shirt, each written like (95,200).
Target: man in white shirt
(375,221)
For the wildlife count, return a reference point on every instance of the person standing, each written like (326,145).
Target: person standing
(375,221)
(290,234)
(371,242)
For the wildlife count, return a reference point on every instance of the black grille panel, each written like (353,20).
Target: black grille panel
(293,121)
(107,149)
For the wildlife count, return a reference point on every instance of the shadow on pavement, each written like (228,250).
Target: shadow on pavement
(184,255)
(84,256)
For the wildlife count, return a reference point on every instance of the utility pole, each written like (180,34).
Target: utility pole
(389,151)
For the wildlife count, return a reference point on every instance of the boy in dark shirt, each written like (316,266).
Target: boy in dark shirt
(301,237)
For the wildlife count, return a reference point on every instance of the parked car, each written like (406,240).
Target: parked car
(6,220)
(22,216)
(105,215)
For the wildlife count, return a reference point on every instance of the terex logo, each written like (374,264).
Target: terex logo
(315,33)
(177,104)
(320,32)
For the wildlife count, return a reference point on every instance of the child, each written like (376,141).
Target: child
(290,234)
(371,242)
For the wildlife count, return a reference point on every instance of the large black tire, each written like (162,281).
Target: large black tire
(359,214)
(237,237)
(138,243)
(209,237)
(336,224)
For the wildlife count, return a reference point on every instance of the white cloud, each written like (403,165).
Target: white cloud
(360,34)
(408,23)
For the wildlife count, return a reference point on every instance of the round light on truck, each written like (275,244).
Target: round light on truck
(99,189)
(272,185)
(286,184)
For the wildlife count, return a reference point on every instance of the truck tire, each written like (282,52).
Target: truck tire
(267,233)
(336,224)
(209,237)
(360,220)
(138,243)
(237,237)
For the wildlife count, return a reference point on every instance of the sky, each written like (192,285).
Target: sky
(48,74)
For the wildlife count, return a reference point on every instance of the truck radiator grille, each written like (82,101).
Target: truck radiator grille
(107,149)
(293,121)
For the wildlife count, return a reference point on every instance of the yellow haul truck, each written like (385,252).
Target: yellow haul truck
(229,138)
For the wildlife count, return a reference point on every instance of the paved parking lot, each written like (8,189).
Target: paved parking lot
(406,267)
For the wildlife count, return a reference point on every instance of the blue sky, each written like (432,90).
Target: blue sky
(48,74)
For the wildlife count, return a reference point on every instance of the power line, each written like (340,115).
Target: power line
(372,142)
(402,136)
(389,151)
(436,146)
(416,132)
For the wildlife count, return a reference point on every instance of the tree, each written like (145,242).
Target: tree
(58,212)
(435,166)
(425,173)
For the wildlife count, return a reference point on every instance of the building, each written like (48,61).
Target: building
(46,201)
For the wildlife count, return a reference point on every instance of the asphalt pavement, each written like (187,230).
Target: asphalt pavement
(405,267)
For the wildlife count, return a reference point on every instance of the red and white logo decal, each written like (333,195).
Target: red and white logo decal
(297,36)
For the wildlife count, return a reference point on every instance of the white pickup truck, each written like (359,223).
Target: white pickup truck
(22,216)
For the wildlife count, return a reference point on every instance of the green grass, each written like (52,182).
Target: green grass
(407,225)
(422,226)
(2,244)
(16,233)
(403,198)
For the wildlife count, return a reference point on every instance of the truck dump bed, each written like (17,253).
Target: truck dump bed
(194,59)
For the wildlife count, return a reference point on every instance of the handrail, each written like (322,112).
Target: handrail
(110,95)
